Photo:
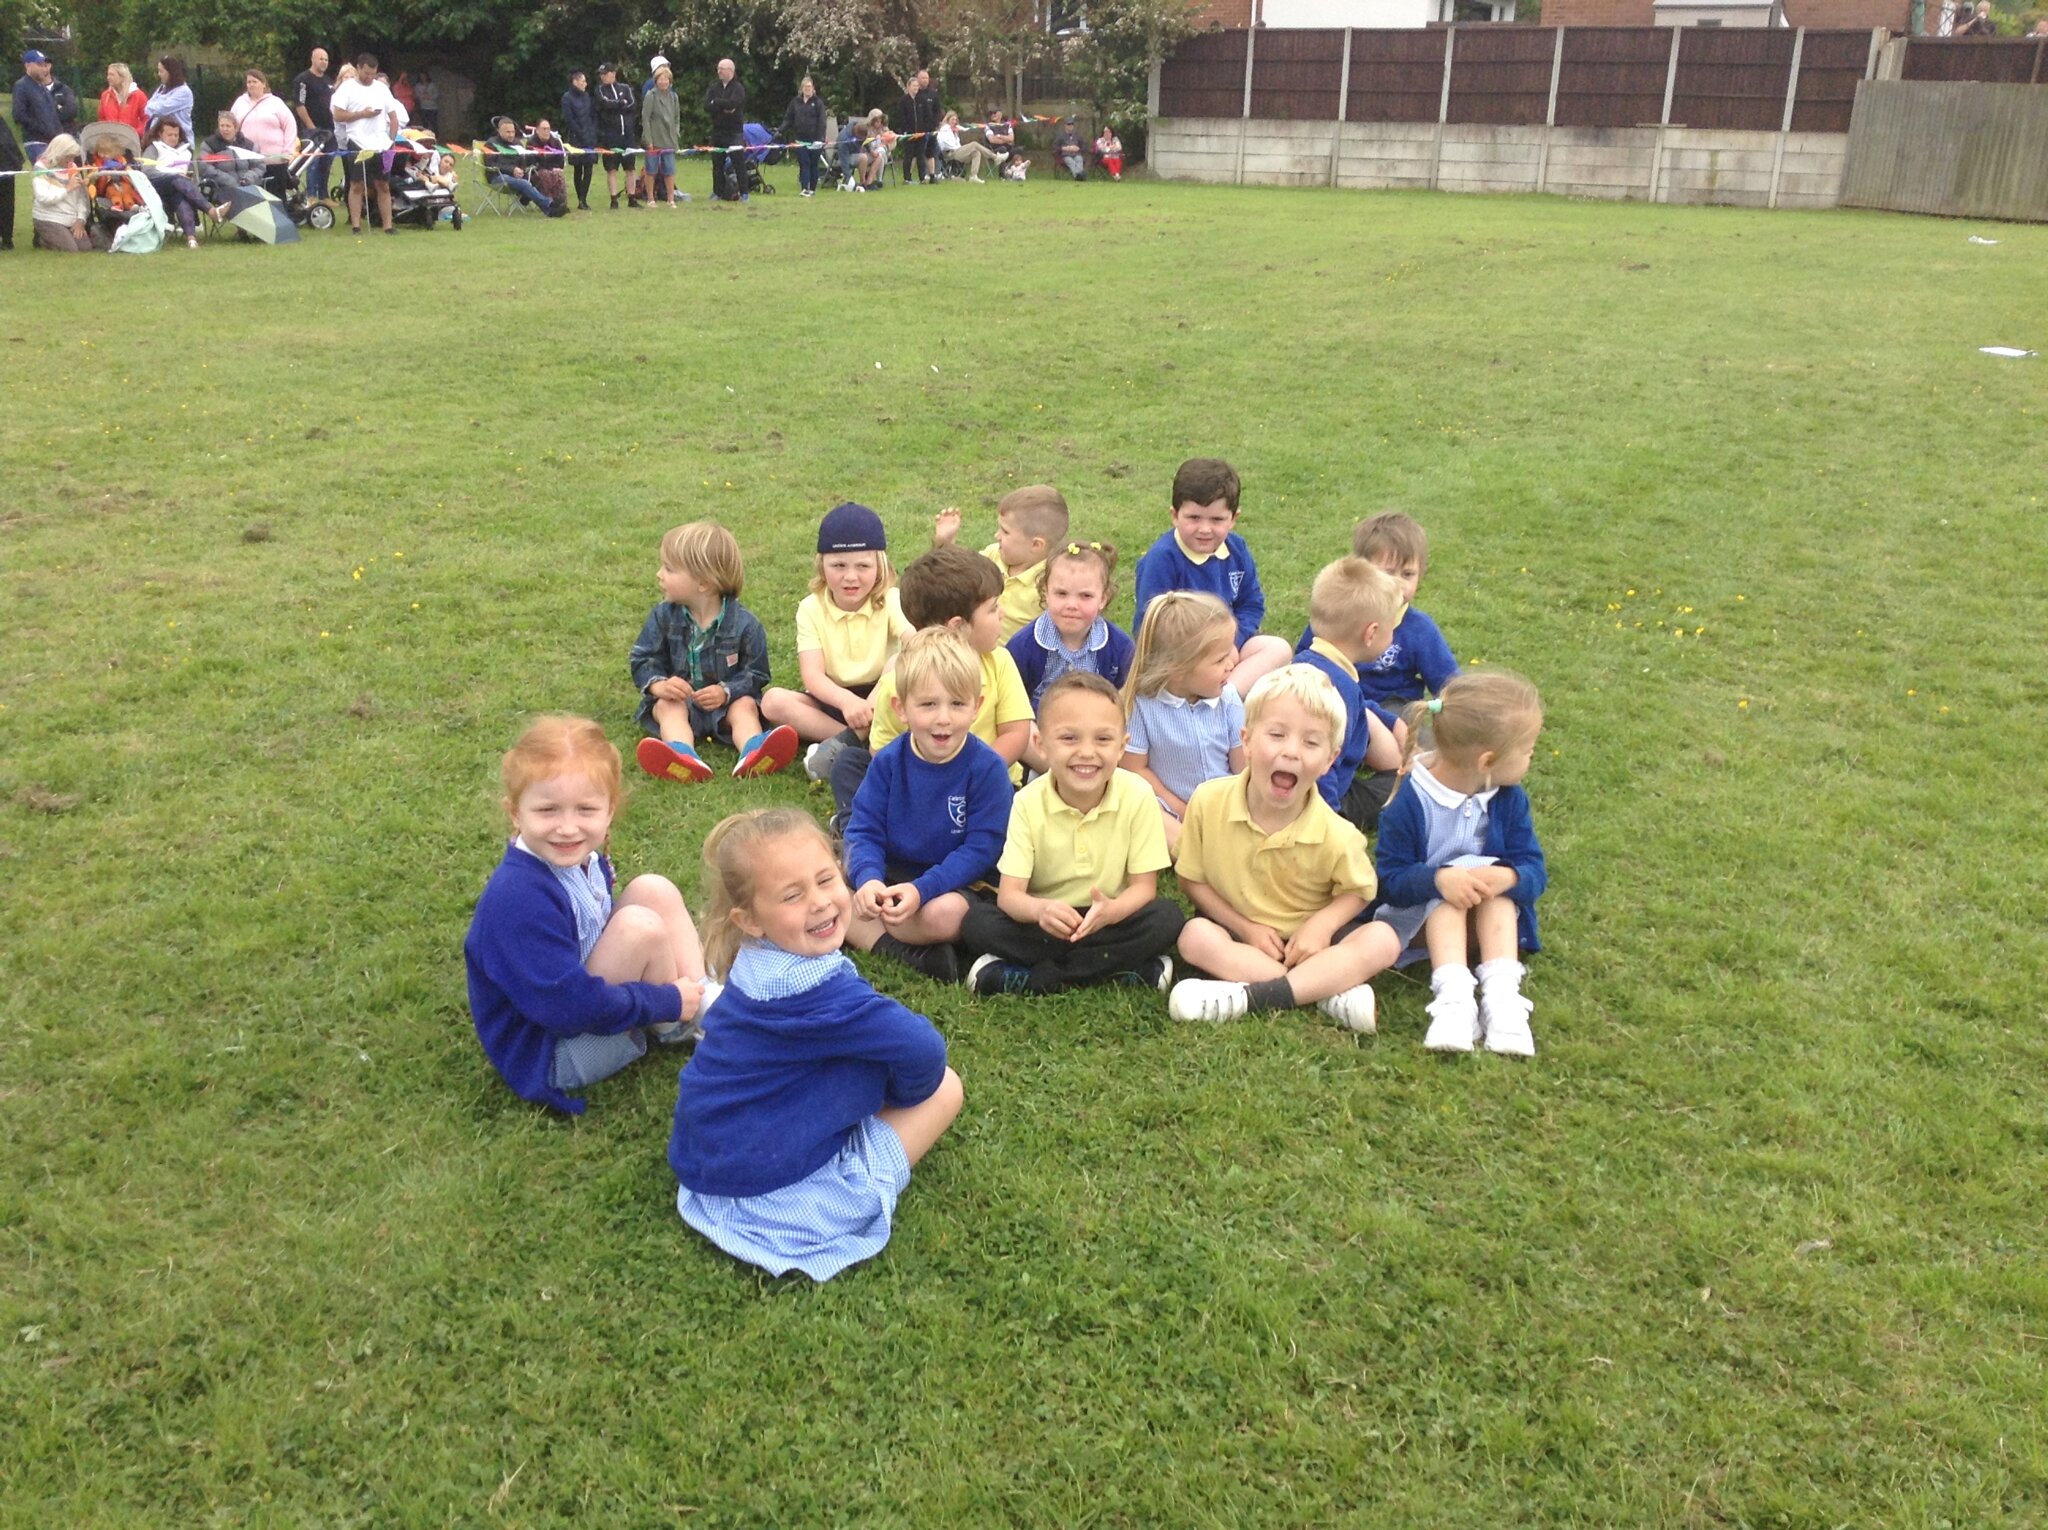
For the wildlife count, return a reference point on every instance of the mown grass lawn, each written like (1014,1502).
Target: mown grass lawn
(292,542)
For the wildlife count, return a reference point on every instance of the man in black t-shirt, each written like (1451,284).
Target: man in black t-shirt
(312,95)
(726,103)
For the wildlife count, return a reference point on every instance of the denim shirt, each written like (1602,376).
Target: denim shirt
(737,658)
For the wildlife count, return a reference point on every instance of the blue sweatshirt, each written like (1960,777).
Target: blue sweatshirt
(1233,579)
(1336,781)
(1107,651)
(1409,881)
(527,984)
(777,1083)
(1417,663)
(896,817)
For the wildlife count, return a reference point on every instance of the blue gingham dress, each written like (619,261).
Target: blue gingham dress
(840,1213)
(1187,742)
(1455,835)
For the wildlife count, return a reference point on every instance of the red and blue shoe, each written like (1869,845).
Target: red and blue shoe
(667,764)
(768,753)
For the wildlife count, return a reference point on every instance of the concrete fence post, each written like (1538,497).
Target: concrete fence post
(1791,101)
(1443,106)
(1550,112)
(1664,120)
(1343,107)
(1152,87)
(1244,116)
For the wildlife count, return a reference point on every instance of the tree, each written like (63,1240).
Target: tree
(1110,65)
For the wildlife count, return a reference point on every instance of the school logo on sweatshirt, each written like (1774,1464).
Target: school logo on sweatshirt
(1389,661)
(1236,579)
(956,810)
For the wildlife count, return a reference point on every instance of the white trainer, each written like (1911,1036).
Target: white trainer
(1207,999)
(1355,1009)
(1453,1021)
(1506,1014)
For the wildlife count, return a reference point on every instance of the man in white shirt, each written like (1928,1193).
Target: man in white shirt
(367,117)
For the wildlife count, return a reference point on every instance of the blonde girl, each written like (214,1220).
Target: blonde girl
(811,1096)
(847,630)
(1186,719)
(1459,865)
(566,983)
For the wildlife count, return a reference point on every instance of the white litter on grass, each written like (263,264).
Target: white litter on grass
(878,366)
(1980,239)
(2003,350)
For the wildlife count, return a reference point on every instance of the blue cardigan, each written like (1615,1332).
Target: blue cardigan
(1233,580)
(945,822)
(528,986)
(1112,659)
(776,1084)
(1409,881)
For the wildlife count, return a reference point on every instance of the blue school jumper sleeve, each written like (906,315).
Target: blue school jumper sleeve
(1030,656)
(1335,781)
(1249,601)
(528,985)
(776,1084)
(949,820)
(1511,840)
(1407,880)
(1117,656)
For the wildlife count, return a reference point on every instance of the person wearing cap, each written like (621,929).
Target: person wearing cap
(35,109)
(579,132)
(725,102)
(618,110)
(847,631)
(661,130)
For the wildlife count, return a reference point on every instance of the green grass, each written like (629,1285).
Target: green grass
(293,541)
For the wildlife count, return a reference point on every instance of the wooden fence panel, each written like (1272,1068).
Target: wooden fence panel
(1502,75)
(1733,77)
(1296,73)
(1205,77)
(1958,148)
(1396,76)
(1612,76)
(1988,60)
(1831,64)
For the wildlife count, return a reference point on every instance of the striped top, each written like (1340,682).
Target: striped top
(1187,742)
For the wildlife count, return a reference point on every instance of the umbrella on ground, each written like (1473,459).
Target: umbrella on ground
(260,215)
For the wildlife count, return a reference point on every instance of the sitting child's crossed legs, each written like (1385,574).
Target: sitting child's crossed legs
(650,939)
(1357,958)
(936,923)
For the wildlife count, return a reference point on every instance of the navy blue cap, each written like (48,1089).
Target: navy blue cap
(35,56)
(851,528)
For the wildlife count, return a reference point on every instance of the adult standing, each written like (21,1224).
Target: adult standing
(428,94)
(10,159)
(35,109)
(364,111)
(579,132)
(402,93)
(661,129)
(312,96)
(123,100)
(929,116)
(725,102)
(172,97)
(618,111)
(804,125)
(69,116)
(264,119)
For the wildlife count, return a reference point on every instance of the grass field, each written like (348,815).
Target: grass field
(294,541)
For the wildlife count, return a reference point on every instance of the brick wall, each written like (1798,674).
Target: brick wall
(1224,13)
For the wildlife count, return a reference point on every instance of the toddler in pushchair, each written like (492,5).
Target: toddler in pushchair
(422,184)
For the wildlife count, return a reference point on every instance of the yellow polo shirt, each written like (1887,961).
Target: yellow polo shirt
(857,645)
(1021,604)
(1065,852)
(1280,880)
(1003,700)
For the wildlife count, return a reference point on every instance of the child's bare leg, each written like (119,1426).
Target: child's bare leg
(937,923)
(672,719)
(1447,932)
(1493,927)
(796,710)
(744,719)
(1259,657)
(634,948)
(1215,950)
(661,896)
(919,1126)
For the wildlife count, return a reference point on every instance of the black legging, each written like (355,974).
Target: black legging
(585,166)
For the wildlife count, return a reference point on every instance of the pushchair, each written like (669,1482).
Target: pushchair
(289,186)
(415,196)
(750,177)
(113,198)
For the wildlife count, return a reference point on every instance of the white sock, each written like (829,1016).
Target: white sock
(1457,977)
(1502,972)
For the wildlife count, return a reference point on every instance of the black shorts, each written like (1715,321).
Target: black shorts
(862,691)
(613,155)
(358,171)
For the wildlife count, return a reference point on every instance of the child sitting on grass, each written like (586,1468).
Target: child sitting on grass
(1352,607)
(847,631)
(928,820)
(1071,635)
(1186,719)
(811,1096)
(1028,522)
(1080,870)
(1279,880)
(1418,662)
(701,663)
(565,985)
(1202,551)
(1459,862)
(952,587)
